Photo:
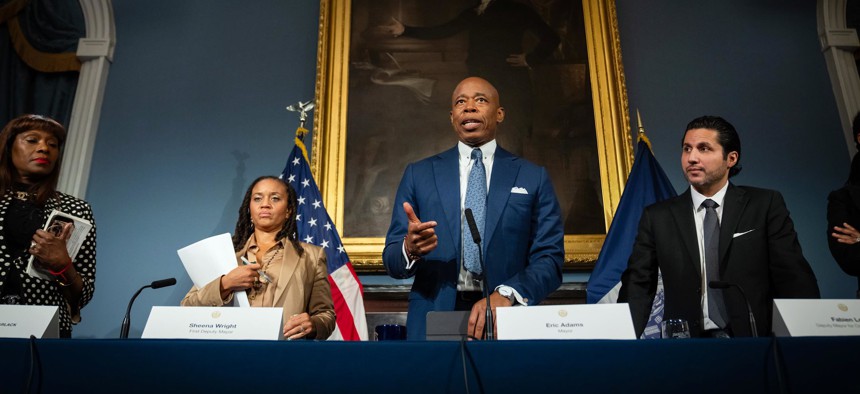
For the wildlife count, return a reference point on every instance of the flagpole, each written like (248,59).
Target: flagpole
(641,134)
(302,108)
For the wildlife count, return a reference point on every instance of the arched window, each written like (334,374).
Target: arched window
(59,54)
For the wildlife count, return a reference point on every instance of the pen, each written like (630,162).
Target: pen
(262,274)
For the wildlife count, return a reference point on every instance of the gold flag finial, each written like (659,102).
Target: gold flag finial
(641,133)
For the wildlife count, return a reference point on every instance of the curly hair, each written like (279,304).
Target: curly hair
(47,186)
(244,226)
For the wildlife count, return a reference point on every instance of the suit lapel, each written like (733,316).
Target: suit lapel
(682,210)
(733,208)
(505,169)
(289,263)
(446,171)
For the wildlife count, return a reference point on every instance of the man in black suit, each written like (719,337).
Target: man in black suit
(747,232)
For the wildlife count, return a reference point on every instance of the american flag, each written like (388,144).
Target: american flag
(315,227)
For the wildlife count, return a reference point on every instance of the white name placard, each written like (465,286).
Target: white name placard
(214,323)
(21,321)
(805,318)
(596,321)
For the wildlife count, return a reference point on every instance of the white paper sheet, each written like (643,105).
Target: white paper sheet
(81,227)
(209,259)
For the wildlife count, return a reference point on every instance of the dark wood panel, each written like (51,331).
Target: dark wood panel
(395,298)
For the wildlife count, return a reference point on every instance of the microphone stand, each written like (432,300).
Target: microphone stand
(718,284)
(126,321)
(476,237)
(488,314)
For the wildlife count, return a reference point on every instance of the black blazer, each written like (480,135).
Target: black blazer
(759,252)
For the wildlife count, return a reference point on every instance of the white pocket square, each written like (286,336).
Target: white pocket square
(519,190)
(735,235)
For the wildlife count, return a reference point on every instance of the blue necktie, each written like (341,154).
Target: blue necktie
(711,224)
(476,199)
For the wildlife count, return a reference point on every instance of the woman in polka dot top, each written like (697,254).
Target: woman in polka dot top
(30,160)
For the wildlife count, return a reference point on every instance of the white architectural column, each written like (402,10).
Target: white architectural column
(838,44)
(96,53)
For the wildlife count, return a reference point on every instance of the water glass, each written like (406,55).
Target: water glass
(675,329)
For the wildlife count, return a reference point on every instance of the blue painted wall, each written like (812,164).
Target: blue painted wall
(759,65)
(194,110)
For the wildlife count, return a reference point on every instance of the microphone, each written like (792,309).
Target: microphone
(718,284)
(126,321)
(473,227)
(476,237)
(162,283)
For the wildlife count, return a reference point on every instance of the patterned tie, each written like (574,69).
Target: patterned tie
(476,199)
(716,307)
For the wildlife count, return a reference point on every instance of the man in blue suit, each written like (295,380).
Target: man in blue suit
(522,234)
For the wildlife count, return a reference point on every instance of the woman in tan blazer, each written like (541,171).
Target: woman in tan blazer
(281,271)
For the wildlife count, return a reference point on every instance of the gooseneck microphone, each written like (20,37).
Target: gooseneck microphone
(476,237)
(473,227)
(719,284)
(126,321)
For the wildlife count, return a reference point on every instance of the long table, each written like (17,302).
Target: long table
(763,365)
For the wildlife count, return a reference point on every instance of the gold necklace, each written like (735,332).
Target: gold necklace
(23,196)
(258,284)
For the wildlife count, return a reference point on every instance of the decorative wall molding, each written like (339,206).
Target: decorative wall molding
(96,54)
(838,44)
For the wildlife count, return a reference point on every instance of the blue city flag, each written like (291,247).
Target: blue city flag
(646,185)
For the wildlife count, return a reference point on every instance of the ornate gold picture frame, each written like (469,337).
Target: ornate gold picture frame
(332,156)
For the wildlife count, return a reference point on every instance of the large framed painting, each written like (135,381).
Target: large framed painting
(386,70)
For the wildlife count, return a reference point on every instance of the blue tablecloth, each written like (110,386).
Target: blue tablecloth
(697,365)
